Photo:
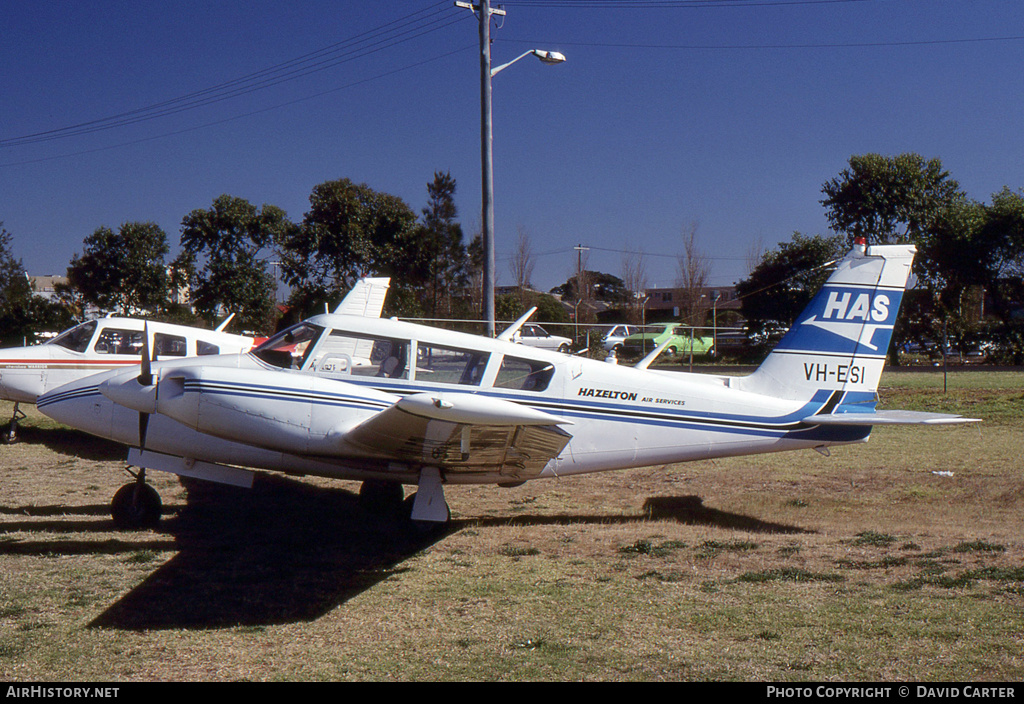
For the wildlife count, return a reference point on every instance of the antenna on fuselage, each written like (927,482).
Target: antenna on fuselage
(512,329)
(646,361)
(220,328)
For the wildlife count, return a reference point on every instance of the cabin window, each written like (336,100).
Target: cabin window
(77,338)
(342,352)
(449,365)
(524,374)
(204,348)
(288,349)
(165,345)
(118,341)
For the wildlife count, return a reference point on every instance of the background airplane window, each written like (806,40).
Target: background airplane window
(118,341)
(524,374)
(165,345)
(206,348)
(77,338)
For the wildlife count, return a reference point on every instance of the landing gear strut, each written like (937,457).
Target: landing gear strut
(429,511)
(136,505)
(426,510)
(12,431)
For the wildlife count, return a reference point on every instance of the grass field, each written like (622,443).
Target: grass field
(899,559)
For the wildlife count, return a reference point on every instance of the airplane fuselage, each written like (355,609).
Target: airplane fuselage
(251,411)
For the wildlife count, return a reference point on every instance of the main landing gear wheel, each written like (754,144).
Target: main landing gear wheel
(136,505)
(381,496)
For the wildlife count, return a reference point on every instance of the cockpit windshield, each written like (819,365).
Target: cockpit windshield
(288,349)
(77,338)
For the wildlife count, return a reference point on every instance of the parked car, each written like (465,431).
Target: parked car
(679,338)
(535,336)
(615,336)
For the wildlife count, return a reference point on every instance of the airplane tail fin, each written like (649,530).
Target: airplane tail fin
(835,351)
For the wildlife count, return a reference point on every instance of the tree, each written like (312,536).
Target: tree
(521,265)
(634,282)
(350,231)
(15,294)
(228,240)
(443,251)
(122,270)
(694,269)
(888,199)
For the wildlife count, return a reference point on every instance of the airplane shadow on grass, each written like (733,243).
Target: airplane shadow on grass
(280,552)
(285,551)
(689,510)
(66,441)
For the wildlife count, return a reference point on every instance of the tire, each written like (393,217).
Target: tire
(564,349)
(136,506)
(381,496)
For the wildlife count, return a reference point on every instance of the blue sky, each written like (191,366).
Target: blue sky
(724,115)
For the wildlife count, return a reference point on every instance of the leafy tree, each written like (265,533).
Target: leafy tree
(443,253)
(122,270)
(15,294)
(888,199)
(22,313)
(604,287)
(350,231)
(228,240)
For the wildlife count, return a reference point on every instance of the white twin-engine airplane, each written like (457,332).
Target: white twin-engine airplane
(101,345)
(431,407)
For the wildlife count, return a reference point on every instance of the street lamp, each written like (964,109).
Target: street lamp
(546,57)
(486,140)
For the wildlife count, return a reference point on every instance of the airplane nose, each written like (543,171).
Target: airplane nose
(78,405)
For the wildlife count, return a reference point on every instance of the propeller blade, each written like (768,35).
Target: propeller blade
(145,379)
(146,374)
(143,427)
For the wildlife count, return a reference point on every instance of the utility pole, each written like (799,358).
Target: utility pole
(580,283)
(484,12)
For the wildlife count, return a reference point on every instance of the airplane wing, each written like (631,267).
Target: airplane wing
(888,418)
(464,433)
(366,298)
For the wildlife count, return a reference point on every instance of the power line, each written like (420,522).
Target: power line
(670,4)
(737,47)
(243,115)
(380,38)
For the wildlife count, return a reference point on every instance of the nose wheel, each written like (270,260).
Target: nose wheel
(137,505)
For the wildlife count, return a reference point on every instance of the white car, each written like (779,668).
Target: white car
(613,340)
(536,336)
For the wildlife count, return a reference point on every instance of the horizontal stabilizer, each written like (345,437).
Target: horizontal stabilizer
(889,418)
